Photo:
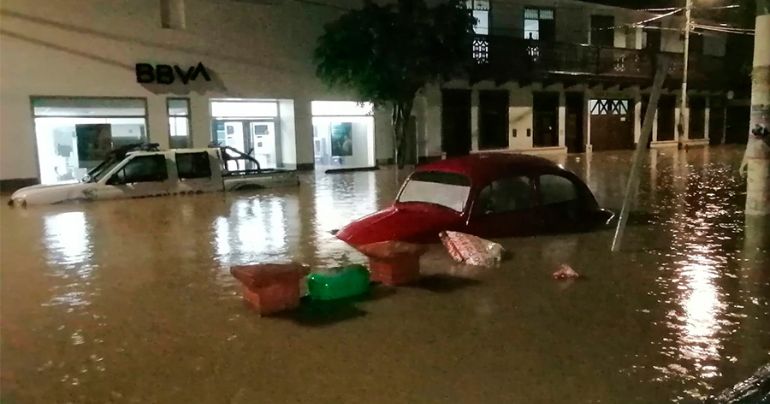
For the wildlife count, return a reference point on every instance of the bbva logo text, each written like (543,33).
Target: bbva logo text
(166,74)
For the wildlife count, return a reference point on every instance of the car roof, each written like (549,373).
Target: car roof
(178,151)
(483,168)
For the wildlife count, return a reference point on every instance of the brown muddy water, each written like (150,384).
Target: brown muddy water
(131,301)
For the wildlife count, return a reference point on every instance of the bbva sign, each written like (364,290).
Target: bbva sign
(167,74)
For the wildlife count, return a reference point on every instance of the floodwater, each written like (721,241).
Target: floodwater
(131,301)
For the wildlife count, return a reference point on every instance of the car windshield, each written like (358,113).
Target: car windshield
(439,188)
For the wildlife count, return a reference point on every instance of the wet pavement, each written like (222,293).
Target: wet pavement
(131,301)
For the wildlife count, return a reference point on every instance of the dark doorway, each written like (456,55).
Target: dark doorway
(737,124)
(716,120)
(697,108)
(612,124)
(456,122)
(545,119)
(548,30)
(411,141)
(653,37)
(666,117)
(602,33)
(493,119)
(574,123)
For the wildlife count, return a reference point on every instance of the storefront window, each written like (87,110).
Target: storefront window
(179,122)
(343,134)
(75,134)
(249,126)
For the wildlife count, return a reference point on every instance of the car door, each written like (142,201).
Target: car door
(141,176)
(505,208)
(560,203)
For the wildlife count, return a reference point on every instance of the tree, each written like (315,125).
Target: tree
(387,53)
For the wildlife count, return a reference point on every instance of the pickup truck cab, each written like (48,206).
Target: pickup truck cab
(150,172)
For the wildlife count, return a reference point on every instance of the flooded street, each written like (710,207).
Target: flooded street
(132,301)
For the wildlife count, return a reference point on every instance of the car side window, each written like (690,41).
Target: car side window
(142,169)
(557,189)
(193,165)
(505,195)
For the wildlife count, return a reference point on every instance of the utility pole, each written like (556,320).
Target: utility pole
(683,123)
(756,160)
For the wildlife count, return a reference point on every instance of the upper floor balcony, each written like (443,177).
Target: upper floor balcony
(504,59)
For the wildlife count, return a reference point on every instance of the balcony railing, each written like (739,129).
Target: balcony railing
(506,58)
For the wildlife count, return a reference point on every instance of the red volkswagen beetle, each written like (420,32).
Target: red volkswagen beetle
(489,195)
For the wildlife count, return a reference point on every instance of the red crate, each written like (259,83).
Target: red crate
(394,262)
(270,288)
(274,298)
(395,271)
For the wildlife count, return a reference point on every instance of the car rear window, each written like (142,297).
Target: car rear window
(193,165)
(441,178)
(437,188)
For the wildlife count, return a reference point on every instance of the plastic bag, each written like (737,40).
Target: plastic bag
(565,272)
(470,249)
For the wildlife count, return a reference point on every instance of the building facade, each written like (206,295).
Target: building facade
(568,76)
(78,77)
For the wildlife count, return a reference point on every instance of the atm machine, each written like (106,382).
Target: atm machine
(264,143)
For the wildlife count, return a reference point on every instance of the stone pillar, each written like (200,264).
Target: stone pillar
(474,120)
(655,127)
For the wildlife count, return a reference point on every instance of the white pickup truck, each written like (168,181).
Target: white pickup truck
(140,171)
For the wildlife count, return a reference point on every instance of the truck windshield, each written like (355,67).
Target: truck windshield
(438,188)
(99,172)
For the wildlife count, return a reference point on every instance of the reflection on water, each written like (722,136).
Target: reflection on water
(259,230)
(131,301)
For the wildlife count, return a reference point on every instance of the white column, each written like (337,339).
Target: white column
(157,116)
(707,119)
(200,121)
(562,119)
(655,127)
(637,118)
(303,135)
(433,122)
(589,147)
(474,119)
(287,139)
(677,119)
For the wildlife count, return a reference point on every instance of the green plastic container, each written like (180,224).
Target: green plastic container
(338,283)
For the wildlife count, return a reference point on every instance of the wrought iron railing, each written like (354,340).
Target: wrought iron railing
(508,58)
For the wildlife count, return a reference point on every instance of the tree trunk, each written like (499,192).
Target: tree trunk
(757,157)
(401,112)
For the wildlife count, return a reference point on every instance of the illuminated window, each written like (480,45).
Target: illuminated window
(179,122)
(539,24)
(480,9)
